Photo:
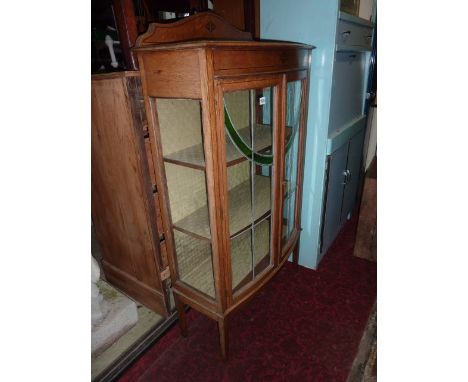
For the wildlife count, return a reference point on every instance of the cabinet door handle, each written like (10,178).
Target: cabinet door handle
(345,35)
(345,174)
(349,176)
(370,95)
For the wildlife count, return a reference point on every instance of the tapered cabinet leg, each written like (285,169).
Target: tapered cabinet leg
(223,337)
(180,306)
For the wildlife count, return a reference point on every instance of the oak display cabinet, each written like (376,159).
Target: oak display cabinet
(226,119)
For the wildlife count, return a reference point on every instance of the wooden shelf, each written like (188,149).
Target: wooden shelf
(240,216)
(194,156)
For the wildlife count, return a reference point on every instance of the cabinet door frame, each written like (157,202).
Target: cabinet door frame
(223,85)
(204,302)
(301,75)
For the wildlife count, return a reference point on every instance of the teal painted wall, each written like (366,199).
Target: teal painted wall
(312,22)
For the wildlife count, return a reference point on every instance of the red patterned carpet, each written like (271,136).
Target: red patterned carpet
(304,326)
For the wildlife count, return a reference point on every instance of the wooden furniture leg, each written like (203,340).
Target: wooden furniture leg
(223,336)
(180,306)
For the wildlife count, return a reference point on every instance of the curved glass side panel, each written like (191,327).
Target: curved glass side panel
(181,132)
(293,112)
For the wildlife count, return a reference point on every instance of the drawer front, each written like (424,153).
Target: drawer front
(166,77)
(244,61)
(352,36)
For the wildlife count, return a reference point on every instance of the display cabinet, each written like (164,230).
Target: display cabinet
(227,126)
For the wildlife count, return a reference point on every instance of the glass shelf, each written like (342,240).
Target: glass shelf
(197,223)
(194,156)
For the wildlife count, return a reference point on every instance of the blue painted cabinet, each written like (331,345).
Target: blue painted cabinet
(342,182)
(336,113)
(335,181)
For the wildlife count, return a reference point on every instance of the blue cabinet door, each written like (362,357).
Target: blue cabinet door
(334,197)
(353,168)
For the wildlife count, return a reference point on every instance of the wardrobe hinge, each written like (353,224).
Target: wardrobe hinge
(165,273)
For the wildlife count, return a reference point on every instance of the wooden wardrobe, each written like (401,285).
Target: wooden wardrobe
(125,201)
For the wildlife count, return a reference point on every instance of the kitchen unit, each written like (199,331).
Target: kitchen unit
(336,112)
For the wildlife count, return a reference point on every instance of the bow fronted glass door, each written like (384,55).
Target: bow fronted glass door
(250,130)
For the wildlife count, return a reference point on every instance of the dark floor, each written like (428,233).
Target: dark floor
(304,326)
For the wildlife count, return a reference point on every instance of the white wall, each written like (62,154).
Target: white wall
(366,9)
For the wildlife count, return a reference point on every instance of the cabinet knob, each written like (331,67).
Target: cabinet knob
(347,176)
(370,95)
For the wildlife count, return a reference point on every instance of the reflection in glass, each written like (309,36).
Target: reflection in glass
(293,111)
(249,158)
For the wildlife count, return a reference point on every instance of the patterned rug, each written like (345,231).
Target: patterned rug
(364,367)
(305,325)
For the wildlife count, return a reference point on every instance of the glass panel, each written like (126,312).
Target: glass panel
(184,162)
(241,253)
(249,142)
(194,261)
(243,270)
(262,245)
(293,111)
(181,131)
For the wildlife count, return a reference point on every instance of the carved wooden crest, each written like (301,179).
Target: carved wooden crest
(205,25)
(210,26)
